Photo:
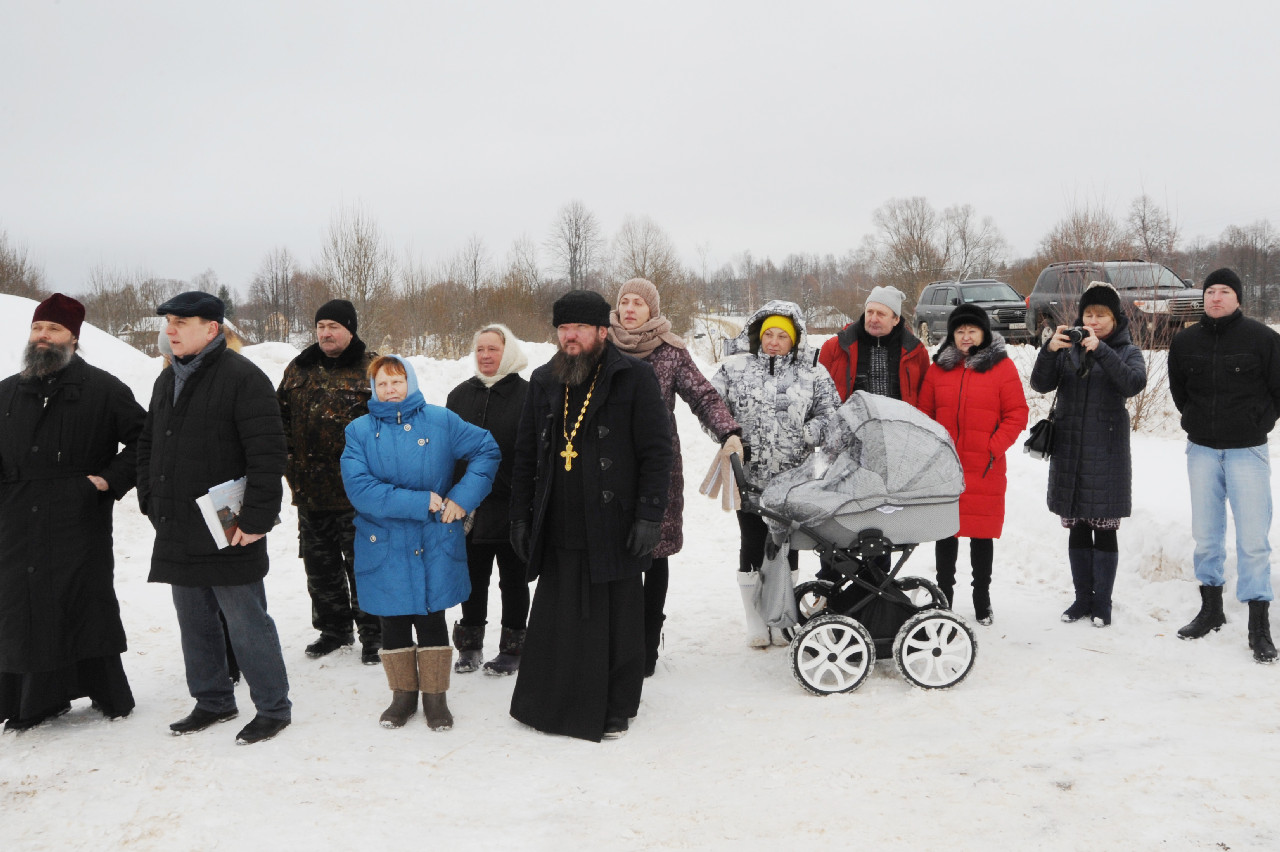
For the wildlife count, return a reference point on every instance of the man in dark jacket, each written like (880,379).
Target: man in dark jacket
(1224,376)
(877,353)
(589,491)
(66,456)
(213,419)
(324,389)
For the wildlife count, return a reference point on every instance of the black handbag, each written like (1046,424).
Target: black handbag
(1039,445)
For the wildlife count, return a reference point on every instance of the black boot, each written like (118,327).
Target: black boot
(1082,578)
(1209,617)
(981,555)
(1264,650)
(470,644)
(1104,580)
(510,647)
(652,640)
(945,552)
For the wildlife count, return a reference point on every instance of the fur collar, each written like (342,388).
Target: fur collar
(313,355)
(949,357)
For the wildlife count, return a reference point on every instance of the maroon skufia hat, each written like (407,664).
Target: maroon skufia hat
(63,310)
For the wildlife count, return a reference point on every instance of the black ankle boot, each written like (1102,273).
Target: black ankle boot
(1264,650)
(1210,616)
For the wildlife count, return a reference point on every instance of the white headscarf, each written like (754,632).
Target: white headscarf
(513,358)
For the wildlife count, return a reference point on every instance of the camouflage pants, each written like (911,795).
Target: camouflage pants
(327,547)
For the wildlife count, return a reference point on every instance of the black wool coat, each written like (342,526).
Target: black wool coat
(1091,471)
(1224,376)
(496,408)
(624,447)
(57,597)
(225,425)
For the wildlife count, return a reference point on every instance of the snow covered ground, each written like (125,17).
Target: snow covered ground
(1063,737)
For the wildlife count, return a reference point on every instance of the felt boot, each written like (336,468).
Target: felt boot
(1082,578)
(509,647)
(1104,580)
(401,666)
(433,680)
(757,630)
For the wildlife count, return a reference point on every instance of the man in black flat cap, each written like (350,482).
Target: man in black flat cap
(324,389)
(588,493)
(214,418)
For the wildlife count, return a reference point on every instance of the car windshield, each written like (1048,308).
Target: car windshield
(1142,276)
(996,291)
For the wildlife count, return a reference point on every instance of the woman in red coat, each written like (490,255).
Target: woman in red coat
(973,390)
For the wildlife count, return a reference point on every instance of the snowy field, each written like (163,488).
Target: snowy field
(1063,736)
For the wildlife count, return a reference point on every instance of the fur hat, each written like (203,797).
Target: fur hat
(969,315)
(1103,295)
(63,310)
(890,297)
(194,303)
(580,306)
(340,311)
(1227,277)
(643,288)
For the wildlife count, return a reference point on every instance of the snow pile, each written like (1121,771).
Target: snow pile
(1063,737)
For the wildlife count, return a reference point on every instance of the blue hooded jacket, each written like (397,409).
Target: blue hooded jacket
(406,561)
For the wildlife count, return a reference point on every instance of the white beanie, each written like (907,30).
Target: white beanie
(890,297)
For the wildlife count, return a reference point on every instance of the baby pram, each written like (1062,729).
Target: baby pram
(886,479)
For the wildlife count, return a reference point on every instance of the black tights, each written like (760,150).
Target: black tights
(1084,537)
(397,630)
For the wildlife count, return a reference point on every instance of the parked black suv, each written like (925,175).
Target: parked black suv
(1003,304)
(1157,302)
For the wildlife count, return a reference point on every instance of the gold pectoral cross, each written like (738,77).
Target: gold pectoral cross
(568,455)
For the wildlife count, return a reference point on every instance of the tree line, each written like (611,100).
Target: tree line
(415,307)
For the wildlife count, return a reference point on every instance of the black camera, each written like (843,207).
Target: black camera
(1077,334)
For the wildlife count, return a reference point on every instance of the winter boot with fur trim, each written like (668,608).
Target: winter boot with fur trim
(470,644)
(1264,650)
(1082,578)
(433,680)
(401,666)
(1210,616)
(757,630)
(509,647)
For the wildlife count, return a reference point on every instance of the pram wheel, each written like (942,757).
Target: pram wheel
(832,653)
(923,594)
(812,598)
(935,649)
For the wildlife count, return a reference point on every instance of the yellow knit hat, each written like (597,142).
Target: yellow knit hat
(778,321)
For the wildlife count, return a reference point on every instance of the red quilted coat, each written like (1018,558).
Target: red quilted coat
(980,402)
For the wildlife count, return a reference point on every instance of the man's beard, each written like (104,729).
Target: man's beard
(573,370)
(38,362)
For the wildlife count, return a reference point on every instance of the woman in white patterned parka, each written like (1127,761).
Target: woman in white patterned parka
(782,401)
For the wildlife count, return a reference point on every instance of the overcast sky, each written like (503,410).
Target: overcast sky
(176,137)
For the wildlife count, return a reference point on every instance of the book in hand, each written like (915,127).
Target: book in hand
(220,509)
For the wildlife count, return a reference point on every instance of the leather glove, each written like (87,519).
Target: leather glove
(643,537)
(520,539)
(719,481)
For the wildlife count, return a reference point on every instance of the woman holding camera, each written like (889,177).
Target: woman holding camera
(1094,367)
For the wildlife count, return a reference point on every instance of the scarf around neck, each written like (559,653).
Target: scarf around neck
(642,340)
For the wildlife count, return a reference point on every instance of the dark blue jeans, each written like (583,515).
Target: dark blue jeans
(253,638)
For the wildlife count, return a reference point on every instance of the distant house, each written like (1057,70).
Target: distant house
(143,333)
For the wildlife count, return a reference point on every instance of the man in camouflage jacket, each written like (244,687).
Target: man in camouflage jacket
(324,389)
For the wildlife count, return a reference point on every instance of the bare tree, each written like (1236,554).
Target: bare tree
(472,267)
(19,276)
(359,266)
(642,250)
(974,248)
(1152,230)
(1087,232)
(521,271)
(909,246)
(273,293)
(575,243)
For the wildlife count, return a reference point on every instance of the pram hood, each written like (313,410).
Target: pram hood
(880,453)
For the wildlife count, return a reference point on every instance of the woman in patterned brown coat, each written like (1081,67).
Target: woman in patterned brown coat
(638,328)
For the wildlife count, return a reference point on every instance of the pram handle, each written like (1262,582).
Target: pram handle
(745,485)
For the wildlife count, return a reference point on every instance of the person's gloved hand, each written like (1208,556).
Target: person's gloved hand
(719,481)
(643,537)
(520,539)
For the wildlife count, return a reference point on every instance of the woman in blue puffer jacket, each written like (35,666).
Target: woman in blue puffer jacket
(410,549)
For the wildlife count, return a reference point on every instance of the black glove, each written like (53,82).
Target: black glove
(643,537)
(520,539)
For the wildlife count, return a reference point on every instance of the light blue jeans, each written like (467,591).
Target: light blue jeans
(1242,478)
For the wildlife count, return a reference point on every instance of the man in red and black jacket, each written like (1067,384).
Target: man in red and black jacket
(877,353)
